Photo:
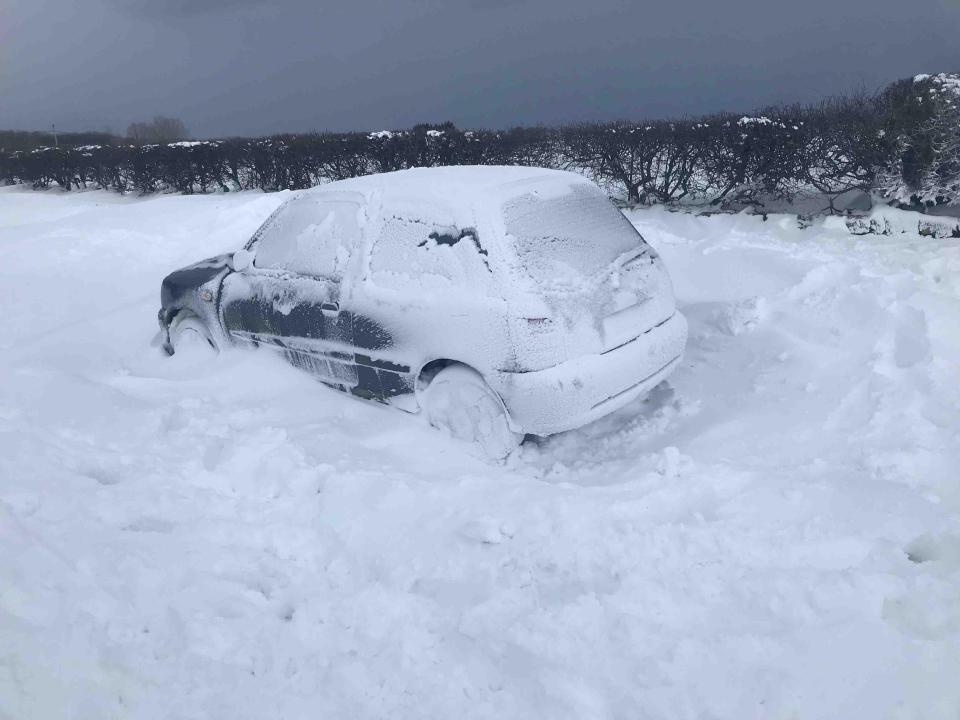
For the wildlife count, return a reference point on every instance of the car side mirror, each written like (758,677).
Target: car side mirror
(241,260)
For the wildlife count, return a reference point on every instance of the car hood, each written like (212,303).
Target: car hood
(189,279)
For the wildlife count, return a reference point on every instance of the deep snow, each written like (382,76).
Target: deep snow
(772,534)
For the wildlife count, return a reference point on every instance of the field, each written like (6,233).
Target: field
(773,533)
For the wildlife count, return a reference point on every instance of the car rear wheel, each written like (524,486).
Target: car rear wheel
(188,333)
(459,402)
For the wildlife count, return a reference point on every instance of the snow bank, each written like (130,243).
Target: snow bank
(773,534)
(883,220)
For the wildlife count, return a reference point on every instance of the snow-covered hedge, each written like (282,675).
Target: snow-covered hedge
(893,221)
(901,146)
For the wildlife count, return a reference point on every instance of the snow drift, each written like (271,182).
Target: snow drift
(773,534)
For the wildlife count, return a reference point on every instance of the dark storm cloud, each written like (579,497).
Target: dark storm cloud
(175,9)
(261,66)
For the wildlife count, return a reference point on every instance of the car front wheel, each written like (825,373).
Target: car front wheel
(188,333)
(459,402)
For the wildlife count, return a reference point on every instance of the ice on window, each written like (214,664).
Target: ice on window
(564,240)
(414,253)
(311,236)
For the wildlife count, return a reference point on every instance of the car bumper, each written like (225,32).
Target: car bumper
(586,388)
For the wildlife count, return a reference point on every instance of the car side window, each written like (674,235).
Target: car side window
(411,252)
(310,235)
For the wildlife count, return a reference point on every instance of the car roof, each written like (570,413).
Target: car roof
(461,186)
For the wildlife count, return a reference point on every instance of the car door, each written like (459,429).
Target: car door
(289,298)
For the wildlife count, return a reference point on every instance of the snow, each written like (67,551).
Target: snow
(305,237)
(565,240)
(510,206)
(408,259)
(773,533)
(454,189)
(947,83)
(193,143)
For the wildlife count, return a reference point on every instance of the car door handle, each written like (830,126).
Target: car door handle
(330,308)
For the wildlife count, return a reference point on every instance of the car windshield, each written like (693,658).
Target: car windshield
(310,235)
(566,240)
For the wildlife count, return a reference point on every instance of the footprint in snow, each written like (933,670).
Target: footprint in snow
(486,531)
(740,317)
(935,548)
(911,343)
(149,524)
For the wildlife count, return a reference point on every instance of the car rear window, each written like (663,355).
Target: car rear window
(569,238)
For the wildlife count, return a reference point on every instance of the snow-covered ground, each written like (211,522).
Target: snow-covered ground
(772,534)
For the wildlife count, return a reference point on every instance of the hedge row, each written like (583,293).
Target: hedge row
(901,144)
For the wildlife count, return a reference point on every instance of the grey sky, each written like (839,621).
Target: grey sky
(250,67)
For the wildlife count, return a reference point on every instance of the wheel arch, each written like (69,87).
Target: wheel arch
(187,315)
(429,370)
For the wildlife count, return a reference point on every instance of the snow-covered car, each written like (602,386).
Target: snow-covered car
(498,301)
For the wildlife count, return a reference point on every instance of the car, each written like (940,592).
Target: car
(498,302)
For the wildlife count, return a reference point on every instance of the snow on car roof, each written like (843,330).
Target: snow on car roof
(459,186)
